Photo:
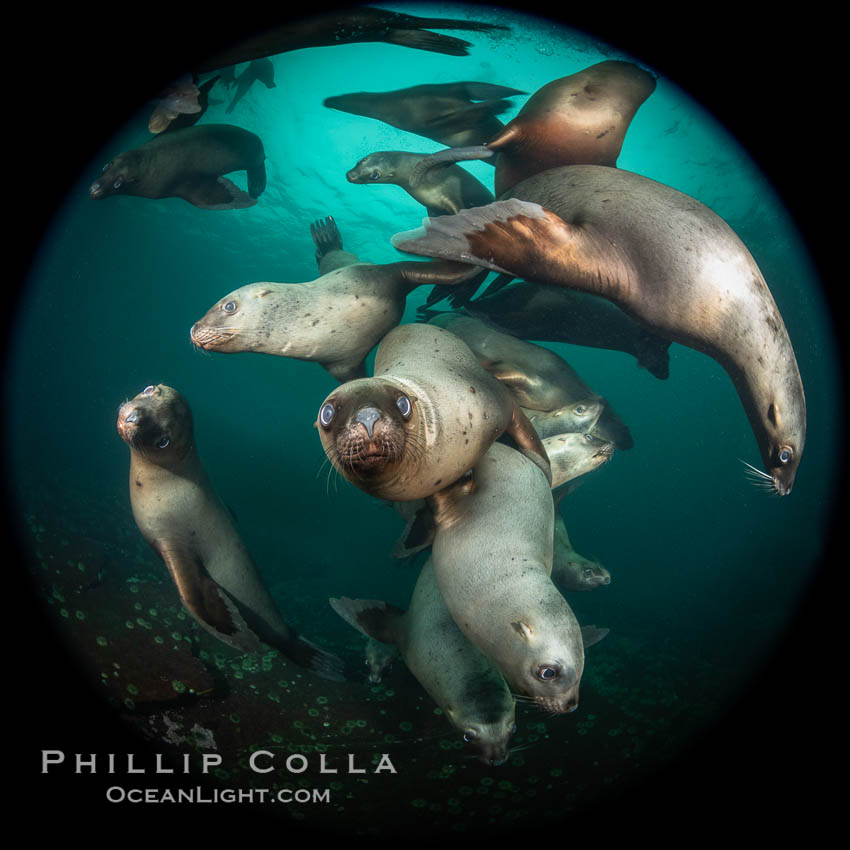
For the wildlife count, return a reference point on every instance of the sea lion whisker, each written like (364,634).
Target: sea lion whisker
(757,471)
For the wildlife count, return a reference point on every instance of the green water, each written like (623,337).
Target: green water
(705,568)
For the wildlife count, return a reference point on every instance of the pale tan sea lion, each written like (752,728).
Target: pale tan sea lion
(180,516)
(456,674)
(662,257)
(492,556)
(189,164)
(424,418)
(579,417)
(570,570)
(443,190)
(581,119)
(351,26)
(330,255)
(462,113)
(335,320)
(539,378)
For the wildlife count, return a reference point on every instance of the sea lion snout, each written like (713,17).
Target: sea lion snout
(367,417)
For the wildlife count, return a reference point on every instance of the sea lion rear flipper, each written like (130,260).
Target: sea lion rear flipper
(469,116)
(432,41)
(591,635)
(214,193)
(306,654)
(449,156)
(487,91)
(371,617)
(499,283)
(528,441)
(653,354)
(206,600)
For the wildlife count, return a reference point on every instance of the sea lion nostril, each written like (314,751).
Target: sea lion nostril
(367,417)
(133,416)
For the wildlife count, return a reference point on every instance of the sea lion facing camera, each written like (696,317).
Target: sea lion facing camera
(443,190)
(662,257)
(188,164)
(180,516)
(569,569)
(423,420)
(456,674)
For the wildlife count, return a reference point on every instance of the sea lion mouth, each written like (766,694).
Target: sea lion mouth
(368,457)
(206,337)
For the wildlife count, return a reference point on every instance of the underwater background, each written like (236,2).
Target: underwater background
(708,573)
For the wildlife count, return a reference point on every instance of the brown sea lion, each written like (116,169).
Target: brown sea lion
(180,516)
(539,378)
(423,420)
(350,26)
(335,320)
(492,556)
(662,257)
(462,681)
(581,119)
(379,659)
(444,112)
(188,164)
(444,190)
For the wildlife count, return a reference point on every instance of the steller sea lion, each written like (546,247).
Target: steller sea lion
(328,241)
(180,516)
(379,659)
(578,417)
(662,257)
(581,119)
(456,674)
(258,69)
(335,320)
(539,378)
(188,164)
(570,570)
(350,26)
(492,556)
(424,418)
(444,112)
(444,190)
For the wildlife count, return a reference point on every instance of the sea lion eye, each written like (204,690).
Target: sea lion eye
(588,571)
(326,414)
(230,307)
(375,175)
(580,408)
(403,404)
(117,184)
(163,442)
(105,167)
(589,438)
(148,390)
(512,729)
(469,736)
(547,673)
(784,455)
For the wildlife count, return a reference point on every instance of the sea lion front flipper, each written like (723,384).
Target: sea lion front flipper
(441,272)
(214,193)
(256,179)
(591,635)
(499,283)
(206,600)
(487,91)
(528,440)
(330,255)
(371,617)
(418,534)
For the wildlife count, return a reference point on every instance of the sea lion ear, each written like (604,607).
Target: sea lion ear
(524,630)
(264,292)
(773,415)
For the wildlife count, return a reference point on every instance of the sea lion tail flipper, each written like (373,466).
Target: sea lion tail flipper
(417,535)
(206,600)
(307,654)
(528,441)
(449,156)
(432,41)
(371,617)
(591,635)
(482,235)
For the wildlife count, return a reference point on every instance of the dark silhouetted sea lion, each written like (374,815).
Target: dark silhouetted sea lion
(188,164)
(665,259)
(456,674)
(260,70)
(444,190)
(180,516)
(444,112)
(423,420)
(379,659)
(581,119)
(349,26)
(539,378)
